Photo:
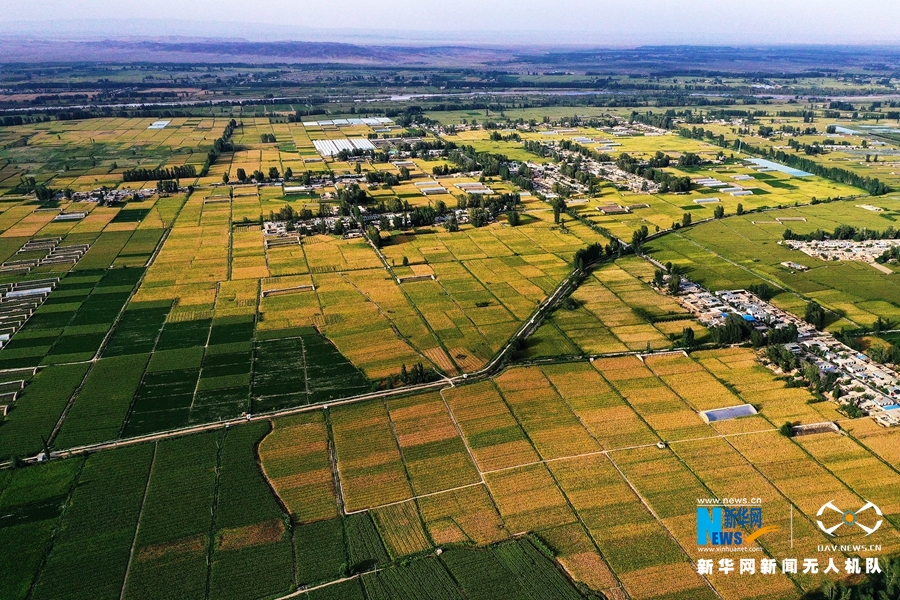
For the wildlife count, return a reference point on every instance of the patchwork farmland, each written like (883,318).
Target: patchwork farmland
(387,482)
(251,353)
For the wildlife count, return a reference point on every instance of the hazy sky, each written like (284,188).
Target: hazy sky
(611,22)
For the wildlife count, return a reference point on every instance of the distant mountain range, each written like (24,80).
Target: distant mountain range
(32,48)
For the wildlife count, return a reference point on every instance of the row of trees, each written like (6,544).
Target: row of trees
(587,255)
(791,130)
(415,375)
(689,159)
(892,253)
(167,186)
(345,155)
(176,172)
(661,120)
(512,137)
(815,315)
(638,237)
(786,360)
(441,170)
(542,150)
(386,178)
(571,146)
(699,133)
(873,186)
(889,354)
(29,185)
(23,120)
(424,148)
(374,236)
(762,291)
(481,208)
(222,144)
(322,105)
(719,211)
(287,213)
(808,149)
(736,330)
(258,175)
(844,232)
(686,219)
(673,285)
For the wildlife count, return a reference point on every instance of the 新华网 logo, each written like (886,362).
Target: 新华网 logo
(730,525)
(848,518)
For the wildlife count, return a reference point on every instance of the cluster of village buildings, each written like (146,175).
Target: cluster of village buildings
(110,197)
(350,226)
(866,251)
(871,386)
